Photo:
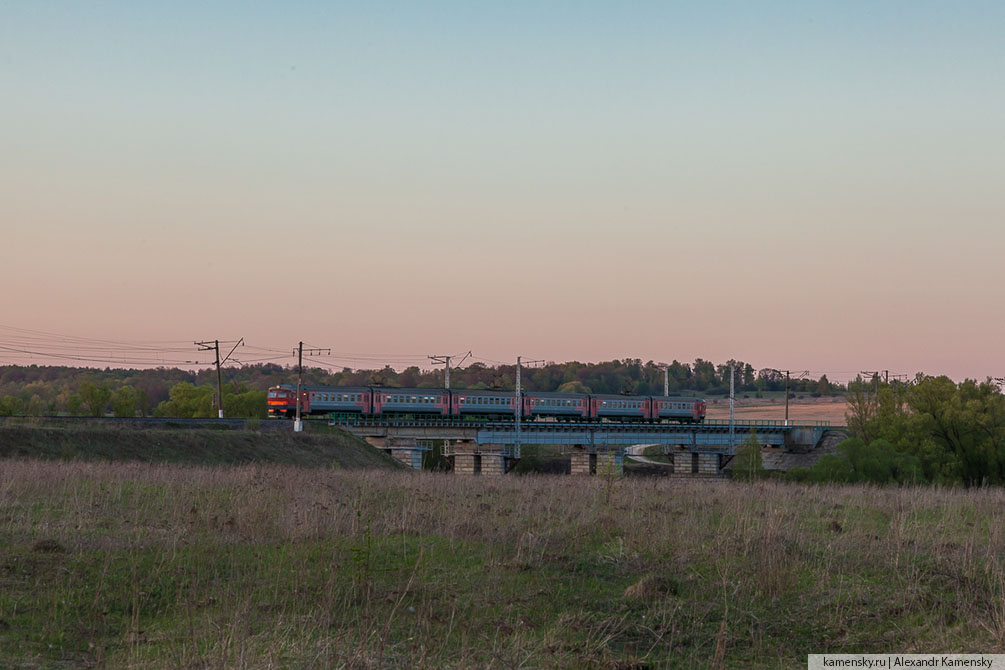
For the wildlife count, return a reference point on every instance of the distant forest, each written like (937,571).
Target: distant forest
(58,390)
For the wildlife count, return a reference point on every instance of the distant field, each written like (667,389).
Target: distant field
(805,409)
(169,566)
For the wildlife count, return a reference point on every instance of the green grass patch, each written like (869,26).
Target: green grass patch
(320,446)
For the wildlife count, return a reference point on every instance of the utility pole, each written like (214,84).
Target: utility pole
(666,381)
(874,374)
(215,346)
(298,425)
(519,402)
(801,375)
(442,358)
(732,435)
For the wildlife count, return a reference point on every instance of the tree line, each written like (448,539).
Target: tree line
(61,390)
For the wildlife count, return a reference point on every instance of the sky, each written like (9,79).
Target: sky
(805,186)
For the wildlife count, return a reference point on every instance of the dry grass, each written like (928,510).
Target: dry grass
(137,565)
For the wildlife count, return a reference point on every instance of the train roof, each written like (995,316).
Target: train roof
(395,389)
(327,389)
(485,391)
(494,392)
(555,394)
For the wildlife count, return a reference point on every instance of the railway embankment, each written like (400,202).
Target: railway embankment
(187,443)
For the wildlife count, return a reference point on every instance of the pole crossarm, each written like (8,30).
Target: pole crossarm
(214,346)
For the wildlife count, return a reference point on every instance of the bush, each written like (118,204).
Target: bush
(878,462)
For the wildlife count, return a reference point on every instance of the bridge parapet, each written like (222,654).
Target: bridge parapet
(713,437)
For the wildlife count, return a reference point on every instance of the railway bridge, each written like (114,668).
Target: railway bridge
(493,448)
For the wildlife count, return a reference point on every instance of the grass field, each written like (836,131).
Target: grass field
(257,566)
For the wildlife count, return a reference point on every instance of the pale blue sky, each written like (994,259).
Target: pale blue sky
(578,175)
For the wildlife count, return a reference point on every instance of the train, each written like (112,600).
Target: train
(482,405)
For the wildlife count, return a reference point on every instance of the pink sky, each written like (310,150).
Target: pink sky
(817,191)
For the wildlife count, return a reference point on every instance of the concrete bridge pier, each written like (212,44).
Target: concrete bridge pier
(406,451)
(471,458)
(604,463)
(695,465)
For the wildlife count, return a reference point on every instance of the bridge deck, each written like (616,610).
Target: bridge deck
(712,436)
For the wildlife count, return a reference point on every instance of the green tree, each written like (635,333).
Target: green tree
(124,402)
(574,387)
(862,408)
(749,464)
(75,405)
(832,468)
(188,401)
(248,404)
(35,406)
(96,397)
